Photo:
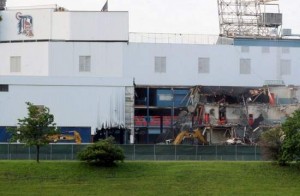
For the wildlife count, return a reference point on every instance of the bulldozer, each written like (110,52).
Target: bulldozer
(195,134)
(66,136)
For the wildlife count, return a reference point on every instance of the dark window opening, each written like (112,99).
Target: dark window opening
(140,96)
(3,87)
(152,97)
(223,99)
(118,134)
(222,115)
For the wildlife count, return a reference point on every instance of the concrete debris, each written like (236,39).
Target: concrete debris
(240,112)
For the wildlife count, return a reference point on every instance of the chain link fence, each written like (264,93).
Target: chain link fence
(10,151)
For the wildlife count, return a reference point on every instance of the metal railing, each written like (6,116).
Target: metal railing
(9,151)
(177,38)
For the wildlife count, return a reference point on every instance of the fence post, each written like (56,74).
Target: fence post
(216,152)
(51,151)
(154,152)
(72,152)
(175,153)
(197,152)
(255,152)
(236,152)
(29,155)
(8,151)
(133,151)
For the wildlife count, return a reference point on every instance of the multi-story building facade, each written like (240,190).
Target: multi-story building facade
(96,78)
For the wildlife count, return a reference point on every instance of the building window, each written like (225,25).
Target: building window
(245,66)
(245,49)
(160,64)
(285,50)
(285,67)
(265,49)
(203,65)
(3,87)
(15,64)
(84,63)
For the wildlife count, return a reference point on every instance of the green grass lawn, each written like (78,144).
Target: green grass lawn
(148,178)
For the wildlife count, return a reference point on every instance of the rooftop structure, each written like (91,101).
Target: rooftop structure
(249,18)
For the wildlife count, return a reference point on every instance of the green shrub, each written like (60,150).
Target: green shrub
(291,143)
(102,153)
(271,143)
(282,144)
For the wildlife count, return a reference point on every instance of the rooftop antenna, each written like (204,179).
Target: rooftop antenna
(249,18)
(105,7)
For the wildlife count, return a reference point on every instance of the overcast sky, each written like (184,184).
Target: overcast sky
(168,16)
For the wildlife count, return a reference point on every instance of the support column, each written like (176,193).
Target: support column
(129,112)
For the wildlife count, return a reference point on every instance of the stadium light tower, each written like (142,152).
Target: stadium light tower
(249,18)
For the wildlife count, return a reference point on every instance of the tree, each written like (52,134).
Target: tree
(102,153)
(271,143)
(35,129)
(291,143)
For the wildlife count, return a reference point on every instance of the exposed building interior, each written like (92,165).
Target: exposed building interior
(224,115)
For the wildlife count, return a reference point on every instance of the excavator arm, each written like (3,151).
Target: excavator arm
(186,134)
(69,136)
(199,136)
(180,137)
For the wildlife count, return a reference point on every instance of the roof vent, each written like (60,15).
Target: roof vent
(286,32)
(274,83)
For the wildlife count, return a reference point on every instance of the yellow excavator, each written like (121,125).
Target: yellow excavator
(68,136)
(195,134)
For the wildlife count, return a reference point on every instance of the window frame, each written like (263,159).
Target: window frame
(4,88)
(15,64)
(160,64)
(85,62)
(245,49)
(285,50)
(265,49)
(245,66)
(285,67)
(204,63)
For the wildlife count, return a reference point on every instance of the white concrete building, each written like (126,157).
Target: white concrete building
(71,62)
(84,67)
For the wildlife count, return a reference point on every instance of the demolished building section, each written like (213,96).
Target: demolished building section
(225,115)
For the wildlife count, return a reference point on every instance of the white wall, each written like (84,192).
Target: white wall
(62,58)
(77,104)
(106,26)
(49,24)
(41,24)
(34,58)
(60,25)
(106,58)
(293,55)
(136,60)
(182,65)
(103,26)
